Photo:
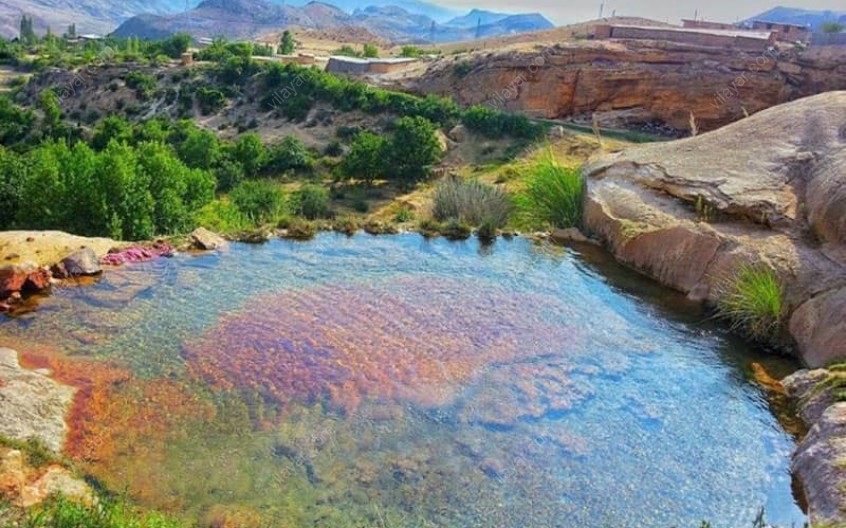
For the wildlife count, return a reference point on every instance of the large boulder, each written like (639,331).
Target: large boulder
(82,262)
(205,240)
(769,189)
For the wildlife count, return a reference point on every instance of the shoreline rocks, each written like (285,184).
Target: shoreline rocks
(763,191)
(31,403)
(820,458)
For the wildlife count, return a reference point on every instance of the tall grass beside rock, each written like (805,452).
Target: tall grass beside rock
(752,301)
(553,194)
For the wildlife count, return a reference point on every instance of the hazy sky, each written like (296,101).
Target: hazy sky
(568,11)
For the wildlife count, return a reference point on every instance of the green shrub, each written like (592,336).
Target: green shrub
(471,201)
(290,154)
(462,68)
(312,202)
(250,153)
(15,122)
(142,83)
(414,148)
(366,159)
(553,194)
(495,124)
(752,301)
(222,217)
(210,100)
(260,201)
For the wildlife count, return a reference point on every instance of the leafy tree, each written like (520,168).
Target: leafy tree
(200,149)
(49,104)
(112,128)
(229,174)
(11,187)
(15,122)
(366,159)
(71,34)
(290,154)
(27,33)
(370,51)
(176,45)
(287,43)
(249,152)
(130,205)
(414,148)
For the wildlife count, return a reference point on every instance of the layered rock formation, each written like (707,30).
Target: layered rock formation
(769,189)
(632,83)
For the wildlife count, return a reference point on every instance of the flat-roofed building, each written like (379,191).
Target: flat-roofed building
(359,66)
(719,38)
(784,32)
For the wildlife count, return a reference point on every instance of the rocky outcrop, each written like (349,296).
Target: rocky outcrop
(205,240)
(820,459)
(635,84)
(31,259)
(32,405)
(768,189)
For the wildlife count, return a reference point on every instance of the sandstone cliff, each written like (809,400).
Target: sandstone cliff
(768,189)
(631,83)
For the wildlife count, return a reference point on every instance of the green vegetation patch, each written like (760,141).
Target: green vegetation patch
(752,300)
(553,195)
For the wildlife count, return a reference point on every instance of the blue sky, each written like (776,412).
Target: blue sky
(568,11)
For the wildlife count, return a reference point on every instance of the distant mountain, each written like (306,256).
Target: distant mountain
(472,19)
(247,18)
(802,17)
(234,19)
(416,7)
(90,16)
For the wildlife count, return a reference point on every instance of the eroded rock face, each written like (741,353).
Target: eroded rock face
(31,403)
(635,83)
(768,189)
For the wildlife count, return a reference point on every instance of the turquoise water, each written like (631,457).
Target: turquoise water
(395,381)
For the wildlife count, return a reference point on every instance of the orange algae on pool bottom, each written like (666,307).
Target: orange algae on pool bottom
(112,410)
(417,340)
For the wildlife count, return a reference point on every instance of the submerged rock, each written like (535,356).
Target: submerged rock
(31,403)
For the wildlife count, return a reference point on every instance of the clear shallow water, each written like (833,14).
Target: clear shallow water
(393,381)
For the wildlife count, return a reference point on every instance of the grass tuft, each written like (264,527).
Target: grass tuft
(752,301)
(472,202)
(553,194)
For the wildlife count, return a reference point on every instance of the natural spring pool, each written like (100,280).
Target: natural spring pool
(397,381)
